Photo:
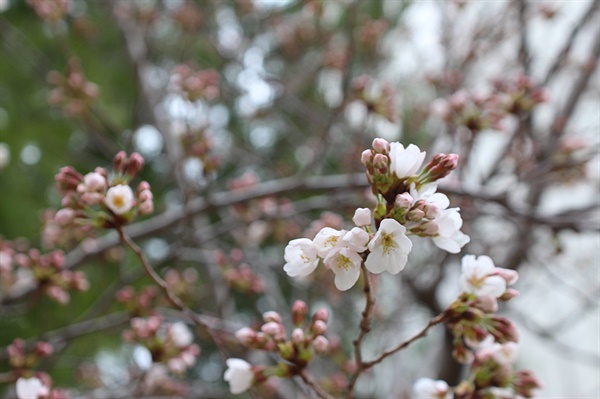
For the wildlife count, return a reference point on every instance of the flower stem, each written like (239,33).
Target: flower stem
(318,390)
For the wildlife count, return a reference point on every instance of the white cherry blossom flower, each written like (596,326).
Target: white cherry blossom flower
(301,257)
(426,388)
(389,248)
(356,239)
(449,237)
(119,199)
(362,217)
(239,375)
(405,162)
(345,263)
(31,388)
(328,239)
(478,278)
(180,335)
(506,353)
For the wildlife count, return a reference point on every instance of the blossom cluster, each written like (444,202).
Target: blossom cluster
(407,204)
(194,84)
(487,341)
(29,383)
(171,344)
(297,350)
(102,199)
(72,92)
(30,268)
(238,274)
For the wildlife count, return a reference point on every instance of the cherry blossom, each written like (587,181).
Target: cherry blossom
(180,335)
(449,237)
(239,375)
(345,263)
(327,239)
(478,276)
(119,199)
(31,388)
(389,248)
(405,162)
(426,388)
(301,257)
(362,217)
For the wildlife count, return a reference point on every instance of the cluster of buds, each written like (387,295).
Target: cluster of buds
(23,360)
(487,341)
(183,284)
(72,92)
(472,111)
(518,95)
(138,304)
(297,350)
(196,85)
(171,344)
(56,236)
(199,144)
(45,271)
(471,317)
(100,201)
(379,100)
(50,10)
(238,274)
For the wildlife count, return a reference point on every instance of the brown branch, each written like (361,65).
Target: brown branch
(365,327)
(435,321)
(312,384)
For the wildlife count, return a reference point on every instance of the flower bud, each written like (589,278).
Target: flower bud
(381,162)
(297,336)
(403,201)
(319,327)
(487,303)
(321,314)
(321,344)
(64,216)
(134,164)
(509,294)
(510,276)
(271,328)
(299,311)
(365,158)
(271,316)
(362,217)
(381,146)
(119,161)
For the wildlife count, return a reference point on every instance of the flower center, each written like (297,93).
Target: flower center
(118,200)
(343,262)
(388,243)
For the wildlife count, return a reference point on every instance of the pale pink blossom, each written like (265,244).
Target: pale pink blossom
(345,263)
(301,257)
(389,248)
(426,388)
(405,162)
(31,388)
(449,237)
(239,375)
(95,182)
(356,239)
(328,239)
(478,276)
(119,199)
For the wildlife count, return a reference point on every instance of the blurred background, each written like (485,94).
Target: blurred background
(230,98)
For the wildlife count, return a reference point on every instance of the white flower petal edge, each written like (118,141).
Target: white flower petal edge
(301,257)
(449,237)
(239,375)
(327,240)
(31,388)
(389,248)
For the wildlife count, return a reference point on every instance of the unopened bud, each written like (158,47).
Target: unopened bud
(403,201)
(365,158)
(381,146)
(510,276)
(299,311)
(487,303)
(64,216)
(246,335)
(119,161)
(380,162)
(297,335)
(362,217)
(321,314)
(319,327)
(271,316)
(321,344)
(134,164)
(271,328)
(509,294)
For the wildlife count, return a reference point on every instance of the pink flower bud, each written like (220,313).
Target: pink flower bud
(271,328)
(381,146)
(319,327)
(365,158)
(321,314)
(146,208)
(362,217)
(297,336)
(43,349)
(321,344)
(64,216)
(487,303)
(510,276)
(94,182)
(509,294)
(299,311)
(381,162)
(246,335)
(403,201)
(271,316)
(134,164)
(119,161)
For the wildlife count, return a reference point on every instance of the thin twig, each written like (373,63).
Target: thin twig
(365,327)
(435,321)
(315,387)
